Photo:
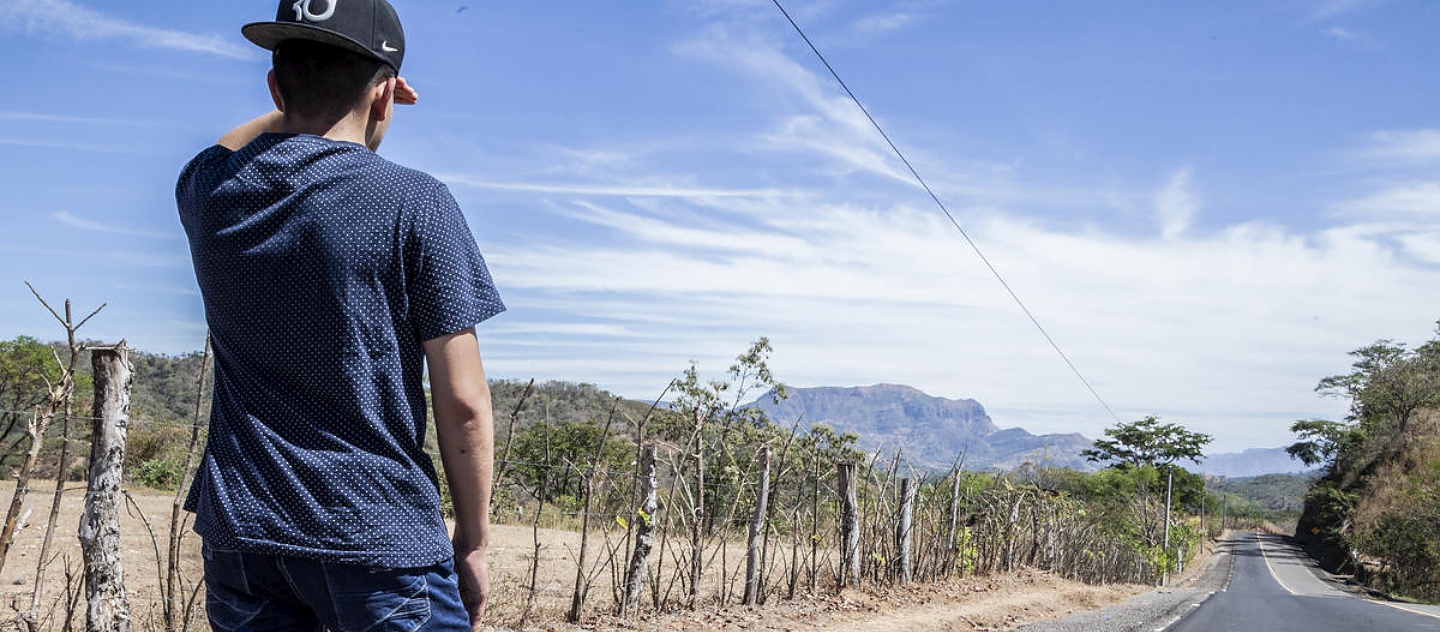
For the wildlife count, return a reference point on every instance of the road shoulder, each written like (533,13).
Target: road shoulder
(1154,610)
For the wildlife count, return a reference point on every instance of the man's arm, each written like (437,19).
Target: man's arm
(465,427)
(241,136)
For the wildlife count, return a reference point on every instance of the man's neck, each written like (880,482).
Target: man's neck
(349,128)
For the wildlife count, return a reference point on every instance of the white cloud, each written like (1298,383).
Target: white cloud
(1340,35)
(1177,204)
(1326,9)
(69,219)
(1421,145)
(45,117)
(626,190)
(884,23)
(1231,329)
(1398,203)
(826,122)
(60,17)
(859,280)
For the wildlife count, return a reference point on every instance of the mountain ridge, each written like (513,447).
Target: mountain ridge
(931,432)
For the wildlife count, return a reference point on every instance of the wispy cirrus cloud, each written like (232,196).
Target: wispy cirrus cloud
(1177,204)
(605,190)
(61,17)
(884,23)
(69,219)
(1317,10)
(856,279)
(828,122)
(1340,35)
(45,117)
(1419,145)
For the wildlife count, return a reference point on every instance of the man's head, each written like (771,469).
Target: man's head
(332,59)
(318,81)
(368,27)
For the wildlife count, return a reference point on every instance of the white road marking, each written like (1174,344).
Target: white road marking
(1274,574)
(1374,601)
(1400,607)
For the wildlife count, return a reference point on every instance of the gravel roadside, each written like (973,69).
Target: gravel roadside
(1154,610)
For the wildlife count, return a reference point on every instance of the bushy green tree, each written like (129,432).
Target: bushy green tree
(1147,442)
(27,367)
(1390,390)
(551,459)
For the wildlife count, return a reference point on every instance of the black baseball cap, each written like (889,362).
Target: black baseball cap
(368,27)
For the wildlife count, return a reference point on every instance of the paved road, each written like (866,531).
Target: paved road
(1273,589)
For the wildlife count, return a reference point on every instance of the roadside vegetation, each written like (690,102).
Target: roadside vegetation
(730,483)
(1375,510)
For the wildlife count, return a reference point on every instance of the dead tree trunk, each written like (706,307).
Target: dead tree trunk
(502,465)
(902,530)
(697,543)
(67,391)
(849,525)
(109,610)
(582,578)
(644,520)
(35,427)
(757,526)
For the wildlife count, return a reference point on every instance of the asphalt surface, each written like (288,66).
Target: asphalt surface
(1258,583)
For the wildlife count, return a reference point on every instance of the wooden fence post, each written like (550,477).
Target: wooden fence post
(108,609)
(951,553)
(644,532)
(757,526)
(849,525)
(902,530)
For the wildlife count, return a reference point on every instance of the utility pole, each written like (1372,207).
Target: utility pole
(1169,483)
(1224,507)
(1204,495)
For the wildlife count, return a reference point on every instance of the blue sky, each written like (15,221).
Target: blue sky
(1207,204)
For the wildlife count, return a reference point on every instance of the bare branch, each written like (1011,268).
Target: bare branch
(47,305)
(87,318)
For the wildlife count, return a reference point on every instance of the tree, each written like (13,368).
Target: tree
(1320,440)
(551,458)
(1147,442)
(27,368)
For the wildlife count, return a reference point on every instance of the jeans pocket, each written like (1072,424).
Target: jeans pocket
(227,600)
(376,600)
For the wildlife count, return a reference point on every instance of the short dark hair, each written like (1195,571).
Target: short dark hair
(320,80)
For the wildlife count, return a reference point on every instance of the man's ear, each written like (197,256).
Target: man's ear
(382,102)
(275,91)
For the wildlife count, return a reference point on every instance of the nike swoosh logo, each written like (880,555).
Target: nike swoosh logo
(385,46)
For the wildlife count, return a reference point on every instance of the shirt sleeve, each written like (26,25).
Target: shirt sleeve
(449,287)
(191,176)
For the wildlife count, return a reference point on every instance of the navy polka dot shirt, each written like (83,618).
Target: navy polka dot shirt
(323,267)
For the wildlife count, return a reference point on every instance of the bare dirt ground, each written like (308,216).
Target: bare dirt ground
(980,603)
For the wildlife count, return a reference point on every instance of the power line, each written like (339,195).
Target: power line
(923,184)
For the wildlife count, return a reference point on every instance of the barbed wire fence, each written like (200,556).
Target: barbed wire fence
(688,524)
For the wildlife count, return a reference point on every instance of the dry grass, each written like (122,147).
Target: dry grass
(989,603)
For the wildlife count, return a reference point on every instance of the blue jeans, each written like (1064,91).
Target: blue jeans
(247,592)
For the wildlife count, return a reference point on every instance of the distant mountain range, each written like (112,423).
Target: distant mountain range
(934,431)
(1252,462)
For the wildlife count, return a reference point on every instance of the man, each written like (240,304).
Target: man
(331,278)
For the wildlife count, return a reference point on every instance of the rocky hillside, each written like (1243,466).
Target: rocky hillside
(932,431)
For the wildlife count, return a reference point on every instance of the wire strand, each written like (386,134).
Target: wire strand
(936,198)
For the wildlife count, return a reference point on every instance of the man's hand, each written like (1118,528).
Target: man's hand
(474,574)
(405,94)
